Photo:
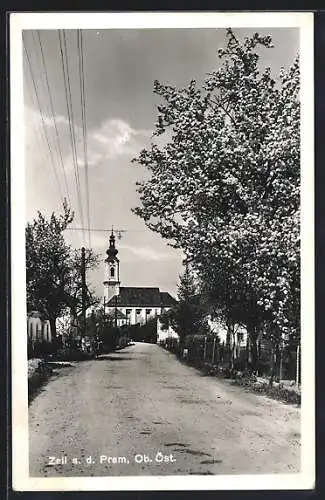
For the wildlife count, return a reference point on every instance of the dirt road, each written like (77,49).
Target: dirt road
(139,411)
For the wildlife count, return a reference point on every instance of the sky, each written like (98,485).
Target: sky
(120,67)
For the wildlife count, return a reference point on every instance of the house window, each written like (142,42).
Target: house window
(128,312)
(148,311)
(138,311)
(112,272)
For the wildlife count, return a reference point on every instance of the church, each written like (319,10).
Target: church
(130,305)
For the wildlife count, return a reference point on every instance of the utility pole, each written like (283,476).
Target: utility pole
(115,310)
(84,292)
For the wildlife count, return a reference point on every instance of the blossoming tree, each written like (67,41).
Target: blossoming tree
(53,269)
(224,187)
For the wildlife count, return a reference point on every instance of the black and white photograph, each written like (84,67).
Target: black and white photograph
(162,251)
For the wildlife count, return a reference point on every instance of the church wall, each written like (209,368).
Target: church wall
(130,315)
(110,290)
(142,317)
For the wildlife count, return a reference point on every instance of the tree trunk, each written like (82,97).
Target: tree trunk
(214,351)
(205,349)
(281,363)
(181,345)
(254,353)
(298,365)
(253,335)
(247,352)
(228,344)
(272,364)
(53,326)
(53,330)
(277,361)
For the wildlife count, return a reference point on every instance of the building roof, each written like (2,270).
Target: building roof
(142,297)
(167,300)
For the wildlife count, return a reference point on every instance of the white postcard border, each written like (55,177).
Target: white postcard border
(21,479)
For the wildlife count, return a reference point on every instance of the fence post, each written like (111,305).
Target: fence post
(297,364)
(214,346)
(205,348)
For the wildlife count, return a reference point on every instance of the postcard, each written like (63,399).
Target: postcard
(162,199)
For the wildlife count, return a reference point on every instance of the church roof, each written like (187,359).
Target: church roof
(142,297)
(167,299)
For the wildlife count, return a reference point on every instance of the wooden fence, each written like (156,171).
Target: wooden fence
(201,350)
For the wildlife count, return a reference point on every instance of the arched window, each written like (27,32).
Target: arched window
(112,272)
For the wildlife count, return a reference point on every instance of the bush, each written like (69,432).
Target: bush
(282,392)
(38,373)
(72,354)
(123,341)
(40,349)
(109,336)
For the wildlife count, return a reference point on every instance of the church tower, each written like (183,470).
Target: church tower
(112,271)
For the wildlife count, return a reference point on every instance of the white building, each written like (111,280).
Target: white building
(164,333)
(130,305)
(38,327)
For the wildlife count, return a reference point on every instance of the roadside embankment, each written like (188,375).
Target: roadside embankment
(40,371)
(282,390)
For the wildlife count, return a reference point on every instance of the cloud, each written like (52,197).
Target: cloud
(50,121)
(134,253)
(146,253)
(34,118)
(113,138)
(116,137)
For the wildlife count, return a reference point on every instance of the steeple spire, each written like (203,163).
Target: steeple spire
(111,251)
(112,270)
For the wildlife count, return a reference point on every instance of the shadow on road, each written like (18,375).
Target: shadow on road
(104,357)
(36,387)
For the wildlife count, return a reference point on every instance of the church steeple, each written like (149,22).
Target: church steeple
(112,270)
(111,251)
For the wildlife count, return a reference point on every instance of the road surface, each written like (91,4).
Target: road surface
(140,411)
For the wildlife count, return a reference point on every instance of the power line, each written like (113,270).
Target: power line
(43,121)
(53,115)
(84,122)
(40,137)
(68,97)
(73,125)
(103,230)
